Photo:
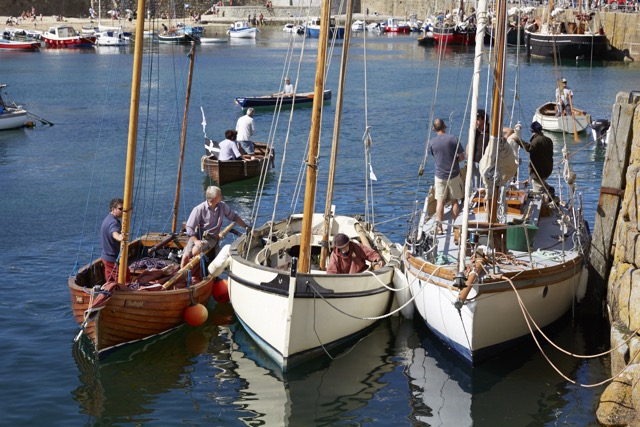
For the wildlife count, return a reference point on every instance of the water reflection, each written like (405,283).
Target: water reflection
(125,385)
(447,391)
(318,392)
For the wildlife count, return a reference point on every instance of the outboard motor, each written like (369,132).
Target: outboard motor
(599,128)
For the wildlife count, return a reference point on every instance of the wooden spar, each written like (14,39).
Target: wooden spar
(131,144)
(183,139)
(482,21)
(497,95)
(576,138)
(304,263)
(336,136)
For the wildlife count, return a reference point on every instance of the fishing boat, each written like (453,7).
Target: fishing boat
(17,45)
(11,116)
(277,274)
(117,313)
(66,36)
(242,30)
(224,172)
(394,25)
(497,272)
(576,37)
(275,100)
(546,115)
(313,28)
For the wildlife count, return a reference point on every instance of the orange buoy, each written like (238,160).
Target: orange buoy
(221,291)
(196,314)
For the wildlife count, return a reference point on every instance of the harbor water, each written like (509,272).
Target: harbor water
(57,182)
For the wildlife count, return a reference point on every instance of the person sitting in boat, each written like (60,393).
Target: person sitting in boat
(205,222)
(540,149)
(165,30)
(288,87)
(447,153)
(350,257)
(245,128)
(564,97)
(229,147)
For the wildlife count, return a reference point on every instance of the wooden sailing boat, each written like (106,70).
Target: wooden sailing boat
(493,277)
(226,171)
(574,38)
(111,318)
(282,296)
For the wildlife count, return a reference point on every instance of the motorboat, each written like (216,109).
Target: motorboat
(66,36)
(242,30)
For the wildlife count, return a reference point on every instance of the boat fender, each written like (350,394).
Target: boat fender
(581,291)
(220,262)
(472,278)
(403,294)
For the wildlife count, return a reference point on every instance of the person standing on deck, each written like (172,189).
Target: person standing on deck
(540,149)
(110,238)
(246,128)
(480,145)
(447,153)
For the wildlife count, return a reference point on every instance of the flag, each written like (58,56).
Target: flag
(372,176)
(204,122)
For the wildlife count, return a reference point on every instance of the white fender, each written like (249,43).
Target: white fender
(220,262)
(581,291)
(403,293)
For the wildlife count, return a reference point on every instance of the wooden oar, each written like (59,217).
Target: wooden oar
(573,120)
(193,262)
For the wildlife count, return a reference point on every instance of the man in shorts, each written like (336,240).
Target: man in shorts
(447,152)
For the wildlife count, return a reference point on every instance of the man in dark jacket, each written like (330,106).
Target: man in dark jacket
(540,149)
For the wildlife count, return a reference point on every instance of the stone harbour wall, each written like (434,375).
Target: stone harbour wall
(620,402)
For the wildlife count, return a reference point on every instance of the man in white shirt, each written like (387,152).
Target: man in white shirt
(563,99)
(288,87)
(246,128)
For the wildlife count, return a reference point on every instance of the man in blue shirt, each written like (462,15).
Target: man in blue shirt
(447,153)
(110,238)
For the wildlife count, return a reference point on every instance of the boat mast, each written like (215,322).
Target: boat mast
(481,15)
(304,262)
(183,138)
(336,136)
(497,96)
(131,144)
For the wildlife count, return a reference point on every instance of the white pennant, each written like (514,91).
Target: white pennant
(372,176)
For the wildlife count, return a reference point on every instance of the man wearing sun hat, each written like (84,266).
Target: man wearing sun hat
(540,149)
(564,97)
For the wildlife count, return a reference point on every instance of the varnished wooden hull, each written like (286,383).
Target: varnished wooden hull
(130,316)
(237,170)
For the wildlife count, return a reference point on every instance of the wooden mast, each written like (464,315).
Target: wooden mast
(304,263)
(131,144)
(336,136)
(183,138)
(497,96)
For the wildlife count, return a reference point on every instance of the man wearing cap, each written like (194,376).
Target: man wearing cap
(564,97)
(540,149)
(288,87)
(246,128)
(350,257)
(447,152)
